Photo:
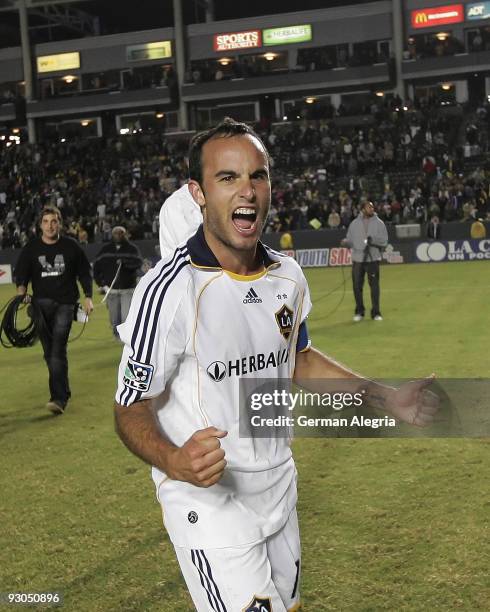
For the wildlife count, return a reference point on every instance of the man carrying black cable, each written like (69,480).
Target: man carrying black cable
(367,237)
(115,272)
(53,263)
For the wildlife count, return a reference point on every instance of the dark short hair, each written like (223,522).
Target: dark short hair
(227,128)
(50,210)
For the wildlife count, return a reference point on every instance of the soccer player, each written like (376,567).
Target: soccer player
(224,306)
(53,263)
(179,218)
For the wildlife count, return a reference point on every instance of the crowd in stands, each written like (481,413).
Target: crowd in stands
(412,164)
(408,162)
(96,183)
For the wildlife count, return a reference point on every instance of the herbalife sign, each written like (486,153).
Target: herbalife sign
(286,35)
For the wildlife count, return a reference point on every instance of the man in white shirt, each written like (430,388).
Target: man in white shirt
(179,218)
(220,309)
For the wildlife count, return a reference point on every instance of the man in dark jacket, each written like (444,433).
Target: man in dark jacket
(115,272)
(434,228)
(52,264)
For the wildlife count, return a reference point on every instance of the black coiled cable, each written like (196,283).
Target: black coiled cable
(11,334)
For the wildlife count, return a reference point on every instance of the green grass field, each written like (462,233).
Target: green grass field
(387,524)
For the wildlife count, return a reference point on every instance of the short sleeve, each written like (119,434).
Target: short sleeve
(307,305)
(23,270)
(154,336)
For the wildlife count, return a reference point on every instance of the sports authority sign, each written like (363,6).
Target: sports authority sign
(237,40)
(437,16)
(5,274)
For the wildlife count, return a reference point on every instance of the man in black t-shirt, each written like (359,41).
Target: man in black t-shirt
(52,264)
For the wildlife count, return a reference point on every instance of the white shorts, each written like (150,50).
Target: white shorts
(263,577)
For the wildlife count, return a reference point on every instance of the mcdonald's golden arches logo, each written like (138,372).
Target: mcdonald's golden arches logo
(437,15)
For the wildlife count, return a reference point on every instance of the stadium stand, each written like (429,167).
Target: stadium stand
(408,162)
(354,103)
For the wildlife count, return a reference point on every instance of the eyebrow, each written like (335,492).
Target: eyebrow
(225,173)
(235,174)
(260,171)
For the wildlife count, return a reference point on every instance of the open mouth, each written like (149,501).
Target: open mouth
(245,220)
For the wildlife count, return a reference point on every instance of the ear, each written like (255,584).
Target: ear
(197,193)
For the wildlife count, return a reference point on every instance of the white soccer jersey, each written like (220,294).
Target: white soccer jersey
(179,218)
(192,331)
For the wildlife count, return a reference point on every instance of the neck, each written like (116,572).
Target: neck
(49,240)
(242,262)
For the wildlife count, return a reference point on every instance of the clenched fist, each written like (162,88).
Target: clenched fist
(201,460)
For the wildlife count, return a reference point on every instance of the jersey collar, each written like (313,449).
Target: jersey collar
(202,256)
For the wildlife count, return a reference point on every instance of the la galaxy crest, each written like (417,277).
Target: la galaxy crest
(259,604)
(284,320)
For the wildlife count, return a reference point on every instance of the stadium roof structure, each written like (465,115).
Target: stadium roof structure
(12,5)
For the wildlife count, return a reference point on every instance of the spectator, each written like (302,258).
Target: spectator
(115,272)
(478,230)
(434,228)
(334,219)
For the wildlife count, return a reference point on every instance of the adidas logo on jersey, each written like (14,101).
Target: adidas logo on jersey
(252,297)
